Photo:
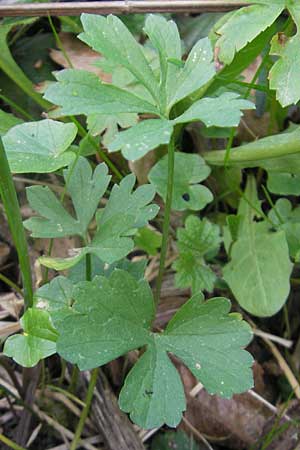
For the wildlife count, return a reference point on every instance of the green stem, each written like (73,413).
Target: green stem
(166,224)
(13,71)
(10,443)
(249,155)
(11,284)
(83,133)
(85,411)
(12,210)
(16,107)
(88,267)
(59,43)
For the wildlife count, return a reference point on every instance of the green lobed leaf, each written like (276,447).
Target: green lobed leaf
(164,36)
(208,340)
(194,242)
(222,111)
(39,146)
(55,221)
(197,71)
(38,340)
(82,92)
(189,170)
(124,213)
(86,189)
(110,37)
(112,316)
(141,138)
(55,297)
(284,75)
(135,268)
(153,393)
(107,124)
(251,20)
(148,240)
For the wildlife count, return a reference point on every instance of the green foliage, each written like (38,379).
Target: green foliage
(148,240)
(284,183)
(39,146)
(253,20)
(222,111)
(37,341)
(189,170)
(156,91)
(85,189)
(138,140)
(79,92)
(107,124)
(195,242)
(117,223)
(258,257)
(287,219)
(110,316)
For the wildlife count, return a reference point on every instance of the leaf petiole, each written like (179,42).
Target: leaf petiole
(166,223)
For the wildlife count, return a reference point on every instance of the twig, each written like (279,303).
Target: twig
(267,404)
(197,433)
(287,343)
(285,368)
(119,7)
(64,432)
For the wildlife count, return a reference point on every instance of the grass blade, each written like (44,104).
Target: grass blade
(12,210)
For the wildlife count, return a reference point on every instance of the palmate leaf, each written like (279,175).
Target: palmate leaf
(222,111)
(107,124)
(197,240)
(112,316)
(81,92)
(37,341)
(124,213)
(165,38)
(110,37)
(39,146)
(198,70)
(55,298)
(86,189)
(189,170)
(140,139)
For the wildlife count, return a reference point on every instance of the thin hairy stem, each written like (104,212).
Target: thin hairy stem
(86,409)
(166,224)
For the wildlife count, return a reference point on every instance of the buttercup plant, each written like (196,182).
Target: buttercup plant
(92,322)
